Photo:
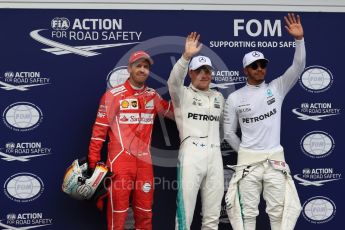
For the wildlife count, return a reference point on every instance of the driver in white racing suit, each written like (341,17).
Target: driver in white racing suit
(198,110)
(261,164)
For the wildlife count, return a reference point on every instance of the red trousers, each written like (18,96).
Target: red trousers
(132,177)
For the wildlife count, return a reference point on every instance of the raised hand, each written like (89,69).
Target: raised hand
(294,26)
(192,45)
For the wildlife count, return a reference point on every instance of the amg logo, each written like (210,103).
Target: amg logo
(203,117)
(259,118)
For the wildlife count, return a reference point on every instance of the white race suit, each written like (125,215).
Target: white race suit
(257,108)
(200,166)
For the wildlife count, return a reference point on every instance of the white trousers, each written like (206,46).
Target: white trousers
(272,183)
(200,166)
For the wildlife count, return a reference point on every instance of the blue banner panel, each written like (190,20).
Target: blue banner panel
(56,64)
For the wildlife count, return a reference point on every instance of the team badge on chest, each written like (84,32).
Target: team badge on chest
(270,98)
(149,104)
(216,103)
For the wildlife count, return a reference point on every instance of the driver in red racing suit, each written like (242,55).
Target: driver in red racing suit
(126,114)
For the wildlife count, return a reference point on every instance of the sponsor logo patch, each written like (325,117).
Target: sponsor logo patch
(128,104)
(146,187)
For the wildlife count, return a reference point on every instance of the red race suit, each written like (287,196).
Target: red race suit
(126,115)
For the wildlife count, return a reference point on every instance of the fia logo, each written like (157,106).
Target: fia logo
(60,23)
